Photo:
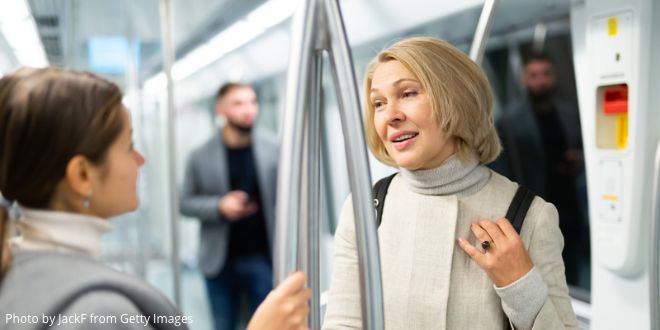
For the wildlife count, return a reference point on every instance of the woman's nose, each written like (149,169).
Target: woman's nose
(393,113)
(139,158)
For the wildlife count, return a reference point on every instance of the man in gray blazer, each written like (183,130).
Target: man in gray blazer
(543,150)
(230,185)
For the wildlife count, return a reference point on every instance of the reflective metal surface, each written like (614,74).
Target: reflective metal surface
(654,261)
(483,30)
(168,59)
(358,170)
(318,26)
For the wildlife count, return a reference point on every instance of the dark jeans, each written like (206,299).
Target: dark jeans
(250,275)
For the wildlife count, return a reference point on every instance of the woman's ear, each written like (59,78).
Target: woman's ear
(79,173)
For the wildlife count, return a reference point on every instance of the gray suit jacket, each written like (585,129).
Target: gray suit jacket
(207,180)
(523,156)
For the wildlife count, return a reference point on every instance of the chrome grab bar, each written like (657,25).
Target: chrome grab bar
(166,23)
(483,30)
(318,27)
(654,262)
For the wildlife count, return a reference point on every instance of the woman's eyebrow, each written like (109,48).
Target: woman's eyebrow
(397,82)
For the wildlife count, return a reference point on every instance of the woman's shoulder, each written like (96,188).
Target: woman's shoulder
(499,193)
(501,184)
(495,196)
(112,309)
(75,278)
(505,189)
(63,265)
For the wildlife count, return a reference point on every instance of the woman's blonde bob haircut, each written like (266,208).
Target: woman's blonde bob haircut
(459,93)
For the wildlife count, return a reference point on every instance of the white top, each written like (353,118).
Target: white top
(42,230)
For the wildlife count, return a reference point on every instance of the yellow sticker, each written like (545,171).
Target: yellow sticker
(613,198)
(622,131)
(611,26)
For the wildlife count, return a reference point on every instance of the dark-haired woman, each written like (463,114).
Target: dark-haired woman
(68,160)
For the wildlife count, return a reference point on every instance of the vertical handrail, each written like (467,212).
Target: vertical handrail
(314,177)
(654,263)
(168,58)
(483,30)
(358,170)
(318,27)
(289,181)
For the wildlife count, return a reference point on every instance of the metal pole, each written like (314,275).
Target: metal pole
(314,178)
(358,170)
(483,30)
(301,128)
(304,253)
(327,191)
(540,32)
(289,181)
(168,58)
(654,262)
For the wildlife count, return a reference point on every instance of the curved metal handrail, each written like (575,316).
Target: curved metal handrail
(654,262)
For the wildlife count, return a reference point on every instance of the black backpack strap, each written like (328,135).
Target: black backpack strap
(519,206)
(516,215)
(380,191)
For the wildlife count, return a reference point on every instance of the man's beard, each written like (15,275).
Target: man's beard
(540,98)
(244,129)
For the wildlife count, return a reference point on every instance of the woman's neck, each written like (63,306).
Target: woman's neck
(453,177)
(49,230)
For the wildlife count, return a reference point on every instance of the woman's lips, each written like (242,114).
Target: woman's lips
(405,143)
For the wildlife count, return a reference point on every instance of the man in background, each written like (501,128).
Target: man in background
(542,145)
(230,185)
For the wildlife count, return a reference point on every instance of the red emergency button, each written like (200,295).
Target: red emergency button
(616,99)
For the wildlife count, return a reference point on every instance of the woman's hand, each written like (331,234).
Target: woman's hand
(505,260)
(285,307)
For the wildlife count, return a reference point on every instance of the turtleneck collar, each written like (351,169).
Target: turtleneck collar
(452,177)
(44,230)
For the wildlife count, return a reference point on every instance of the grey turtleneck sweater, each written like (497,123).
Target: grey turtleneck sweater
(429,282)
(453,177)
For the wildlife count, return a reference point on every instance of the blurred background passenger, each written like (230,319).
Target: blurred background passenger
(67,160)
(230,185)
(542,145)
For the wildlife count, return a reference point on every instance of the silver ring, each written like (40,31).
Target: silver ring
(485,245)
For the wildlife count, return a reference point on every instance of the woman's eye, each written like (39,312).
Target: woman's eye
(377,104)
(409,93)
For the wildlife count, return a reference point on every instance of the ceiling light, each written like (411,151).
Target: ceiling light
(238,34)
(271,13)
(20,32)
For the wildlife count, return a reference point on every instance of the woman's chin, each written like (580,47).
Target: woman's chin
(135,204)
(129,207)
(408,164)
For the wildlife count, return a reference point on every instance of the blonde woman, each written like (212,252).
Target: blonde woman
(428,113)
(68,160)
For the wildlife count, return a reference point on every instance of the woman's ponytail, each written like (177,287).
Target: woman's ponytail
(5,256)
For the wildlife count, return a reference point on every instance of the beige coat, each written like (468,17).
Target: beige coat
(429,282)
